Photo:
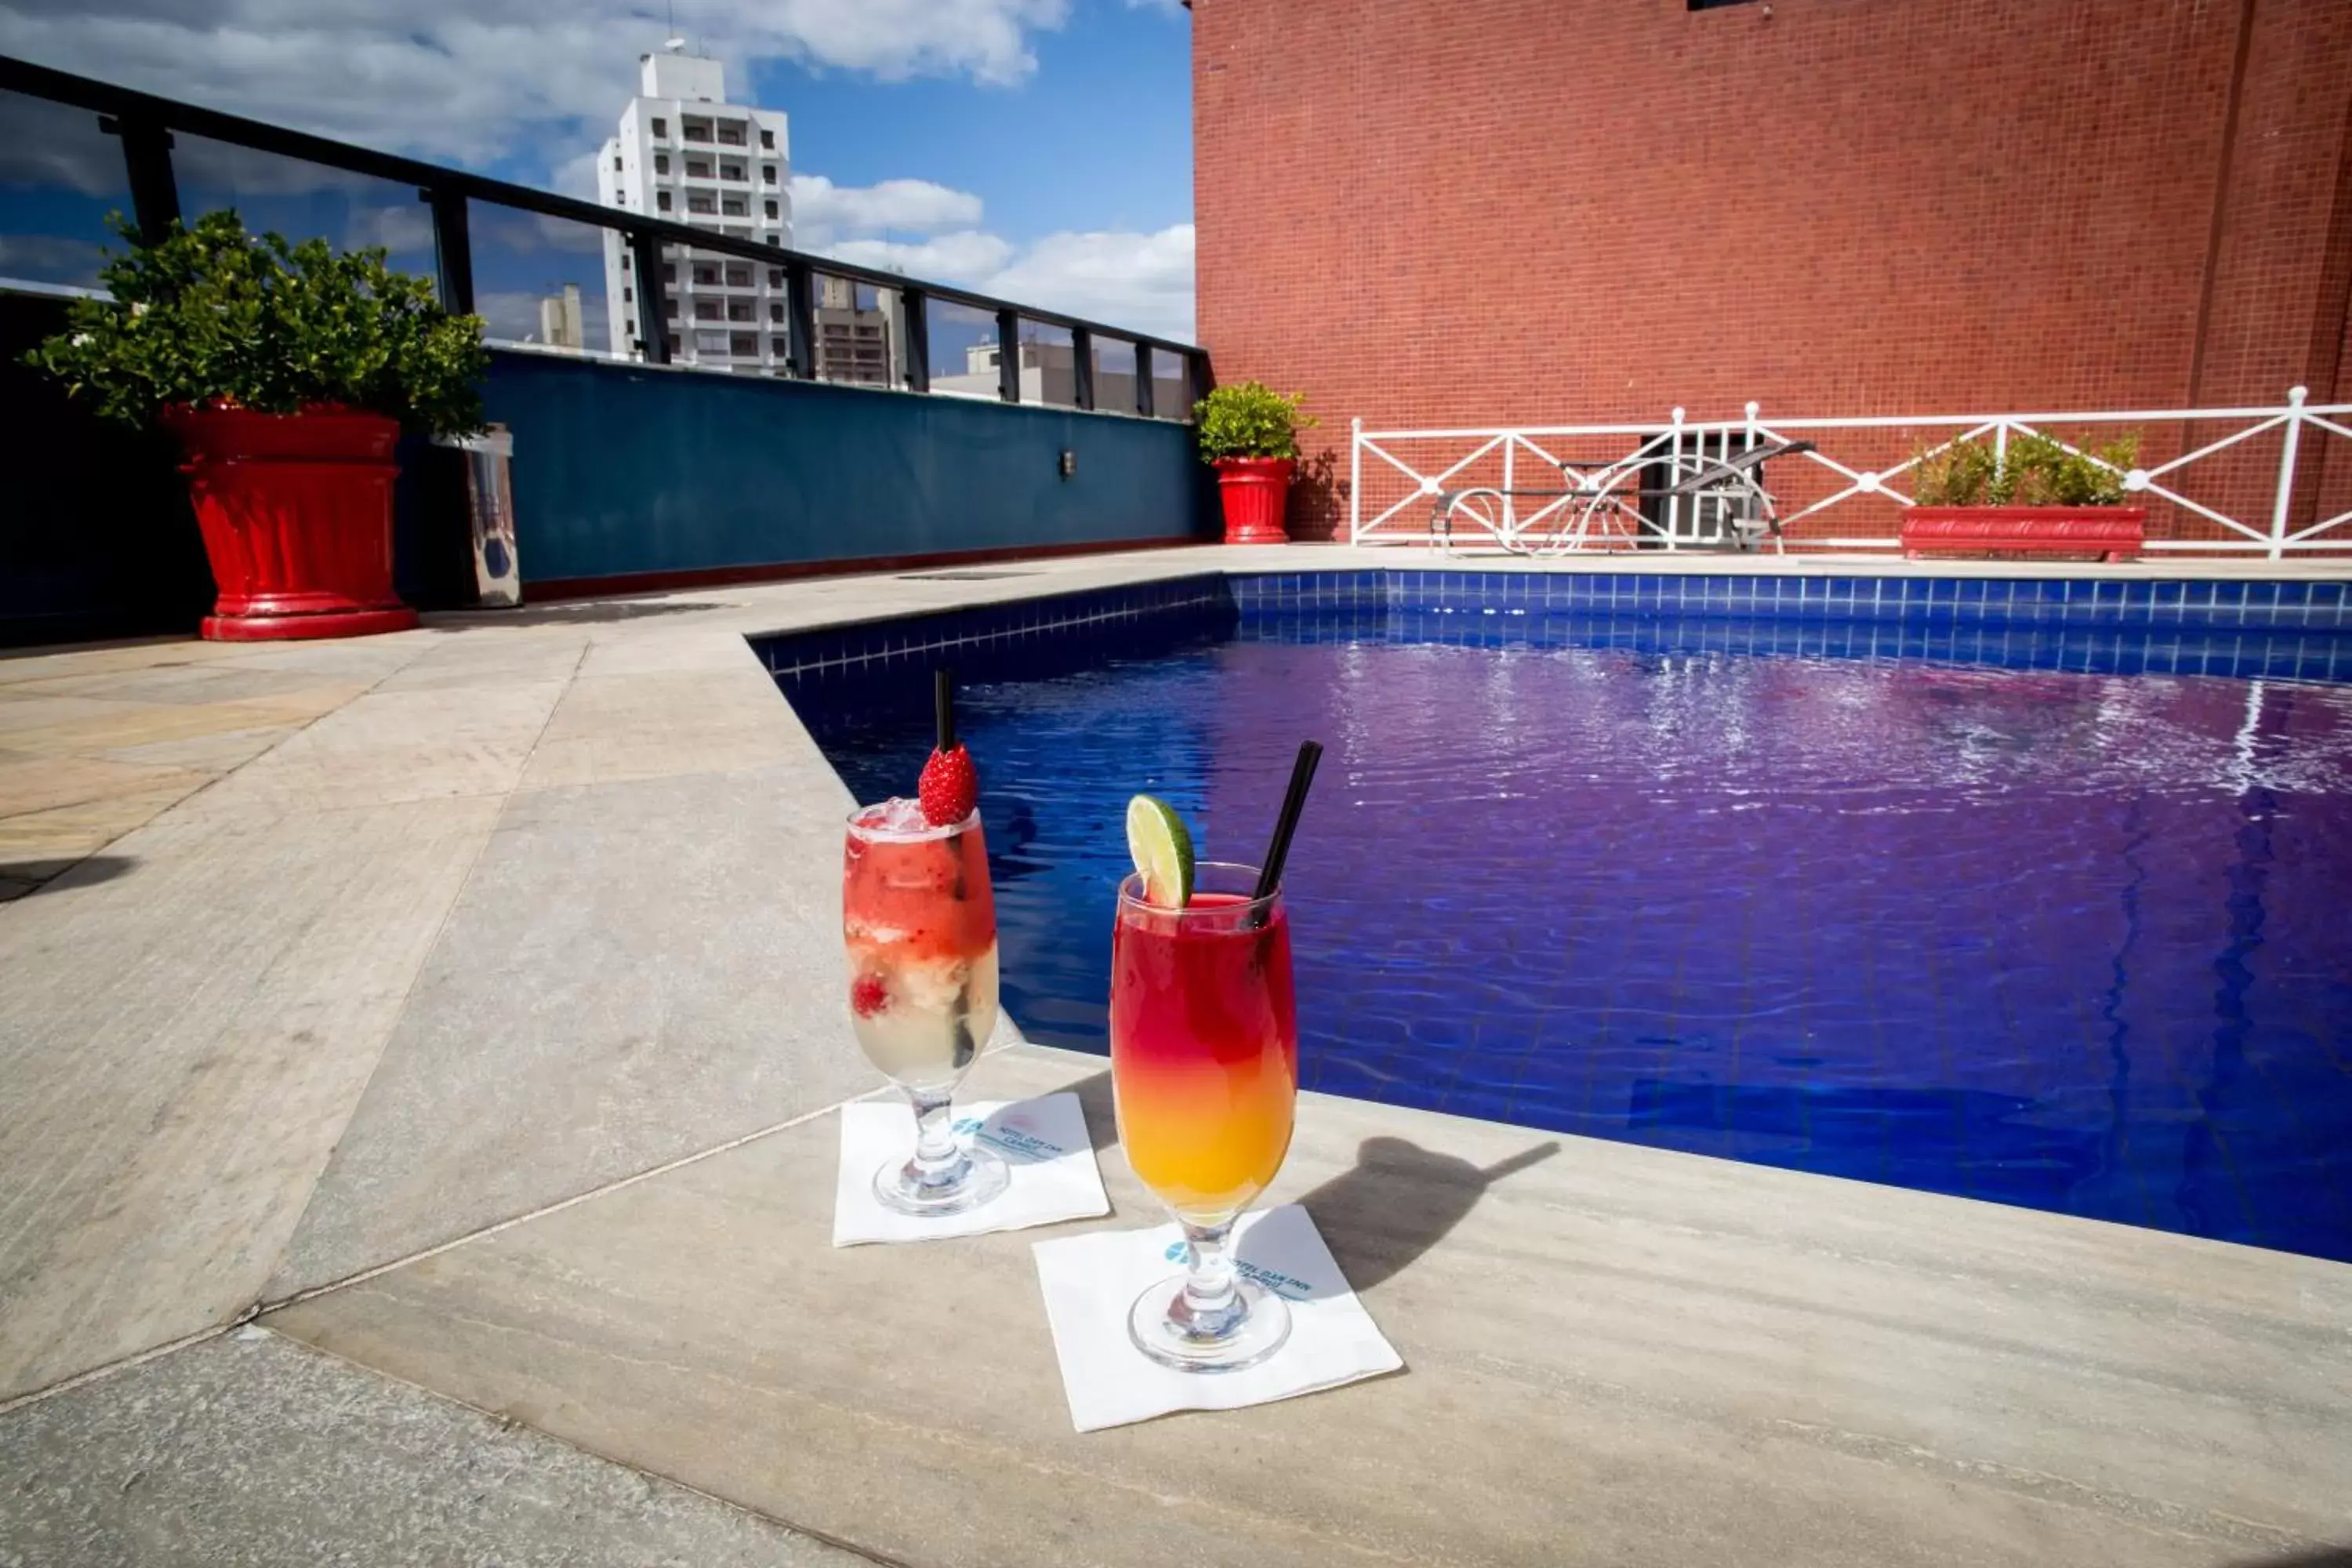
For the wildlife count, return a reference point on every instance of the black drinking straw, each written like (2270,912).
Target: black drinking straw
(943,706)
(1302,778)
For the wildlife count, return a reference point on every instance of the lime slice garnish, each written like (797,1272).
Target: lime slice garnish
(1163,852)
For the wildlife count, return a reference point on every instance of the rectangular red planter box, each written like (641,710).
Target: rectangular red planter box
(2111,532)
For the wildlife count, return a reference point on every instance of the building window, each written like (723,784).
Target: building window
(696,201)
(776,312)
(630,326)
(738,277)
(661,200)
(730,135)
(730,171)
(661,128)
(669,271)
(708,311)
(616,163)
(627,296)
(707,275)
(661,163)
(740,311)
(670,310)
(697,168)
(768,140)
(734,207)
(776,240)
(775,277)
(768,172)
(697,130)
(743,344)
(771,209)
(783,347)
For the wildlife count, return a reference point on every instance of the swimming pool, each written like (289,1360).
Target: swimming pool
(2052,936)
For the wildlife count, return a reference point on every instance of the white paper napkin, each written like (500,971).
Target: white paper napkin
(1044,1141)
(1091,1281)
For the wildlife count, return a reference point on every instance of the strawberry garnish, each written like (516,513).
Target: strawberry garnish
(950,787)
(869,995)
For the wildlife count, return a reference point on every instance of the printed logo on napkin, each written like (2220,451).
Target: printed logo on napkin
(1012,1132)
(1285,1285)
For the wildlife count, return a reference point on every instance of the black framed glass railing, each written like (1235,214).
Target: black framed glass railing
(547,273)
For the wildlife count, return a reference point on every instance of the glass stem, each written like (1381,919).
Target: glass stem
(938,1162)
(1208,1296)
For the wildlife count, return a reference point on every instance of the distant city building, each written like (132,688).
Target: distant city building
(559,325)
(857,342)
(684,152)
(1049,376)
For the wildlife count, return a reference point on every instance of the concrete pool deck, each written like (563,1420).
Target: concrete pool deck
(464,1002)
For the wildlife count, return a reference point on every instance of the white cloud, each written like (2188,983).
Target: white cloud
(967,257)
(823,212)
(50,257)
(1139,281)
(477,80)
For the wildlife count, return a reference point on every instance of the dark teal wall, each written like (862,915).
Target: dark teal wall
(621,470)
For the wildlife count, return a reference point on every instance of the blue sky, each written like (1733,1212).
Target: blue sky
(1099,137)
(1038,150)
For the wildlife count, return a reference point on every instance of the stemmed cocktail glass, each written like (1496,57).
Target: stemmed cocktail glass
(1204,1066)
(919,919)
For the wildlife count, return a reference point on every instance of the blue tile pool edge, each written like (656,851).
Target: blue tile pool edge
(2303,604)
(1927,604)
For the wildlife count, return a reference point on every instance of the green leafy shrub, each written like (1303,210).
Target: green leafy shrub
(1250,419)
(1962,474)
(212,315)
(2036,470)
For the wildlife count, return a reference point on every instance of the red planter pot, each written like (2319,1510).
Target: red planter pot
(295,511)
(1255,491)
(2111,532)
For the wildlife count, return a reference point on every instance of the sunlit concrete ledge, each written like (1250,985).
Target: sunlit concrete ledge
(463,1000)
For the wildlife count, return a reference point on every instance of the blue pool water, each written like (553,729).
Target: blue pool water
(2077,941)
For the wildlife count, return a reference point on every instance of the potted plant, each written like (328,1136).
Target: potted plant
(288,374)
(1249,433)
(2035,493)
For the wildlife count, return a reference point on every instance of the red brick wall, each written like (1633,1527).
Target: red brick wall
(1446,212)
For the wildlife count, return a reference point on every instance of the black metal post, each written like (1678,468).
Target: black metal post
(1082,367)
(800,309)
(1143,379)
(915,352)
(1008,355)
(147,159)
(653,298)
(1196,371)
(453,250)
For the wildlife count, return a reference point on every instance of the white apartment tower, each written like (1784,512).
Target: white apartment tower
(684,152)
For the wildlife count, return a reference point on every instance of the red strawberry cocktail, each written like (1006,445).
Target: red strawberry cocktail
(918,921)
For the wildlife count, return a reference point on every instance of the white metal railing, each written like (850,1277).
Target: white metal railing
(1587,499)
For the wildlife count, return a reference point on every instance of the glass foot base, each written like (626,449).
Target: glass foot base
(976,1178)
(1164,1329)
